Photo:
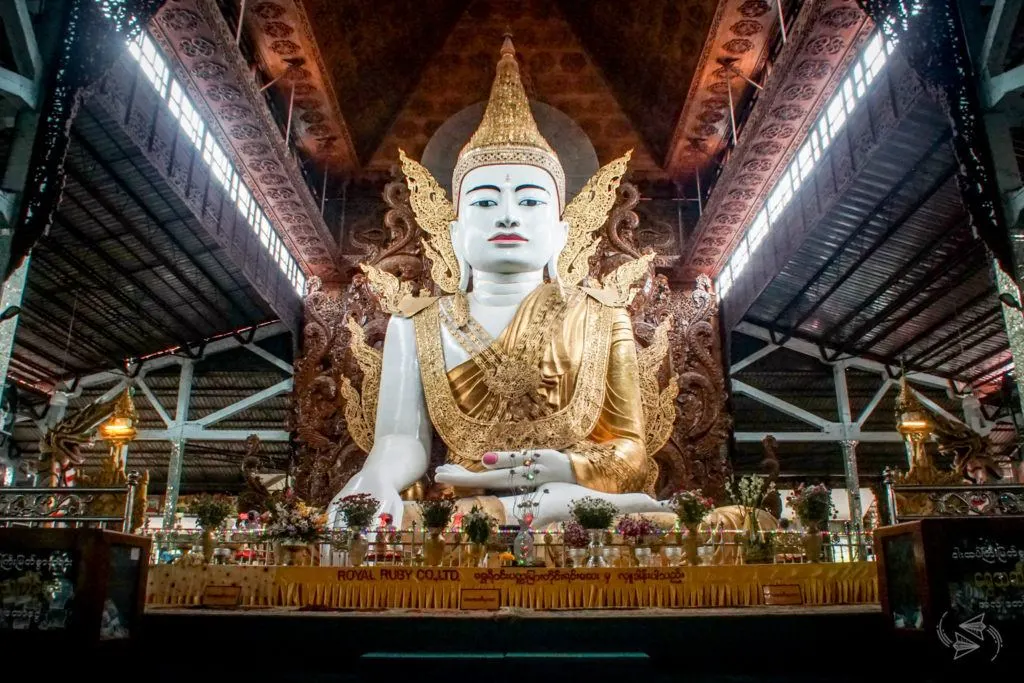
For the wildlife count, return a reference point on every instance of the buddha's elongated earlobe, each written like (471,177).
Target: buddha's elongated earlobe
(460,308)
(460,259)
(552,265)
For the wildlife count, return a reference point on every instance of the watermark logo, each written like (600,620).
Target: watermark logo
(970,636)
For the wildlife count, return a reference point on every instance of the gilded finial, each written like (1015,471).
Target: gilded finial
(508,133)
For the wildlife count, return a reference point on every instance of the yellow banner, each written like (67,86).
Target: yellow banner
(543,588)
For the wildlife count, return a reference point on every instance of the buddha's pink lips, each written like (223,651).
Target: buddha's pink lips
(508,237)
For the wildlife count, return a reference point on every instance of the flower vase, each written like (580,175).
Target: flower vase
(289,553)
(757,548)
(433,547)
(357,547)
(477,554)
(578,556)
(692,545)
(596,548)
(643,552)
(812,543)
(207,546)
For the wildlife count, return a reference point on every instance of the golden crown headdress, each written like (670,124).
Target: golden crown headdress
(508,133)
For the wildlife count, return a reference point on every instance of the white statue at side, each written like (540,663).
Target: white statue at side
(531,382)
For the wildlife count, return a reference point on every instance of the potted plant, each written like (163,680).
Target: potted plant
(295,527)
(477,525)
(758,546)
(640,532)
(437,514)
(813,507)
(594,515)
(210,513)
(358,510)
(575,538)
(692,507)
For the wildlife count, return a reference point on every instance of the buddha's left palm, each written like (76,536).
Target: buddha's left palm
(511,470)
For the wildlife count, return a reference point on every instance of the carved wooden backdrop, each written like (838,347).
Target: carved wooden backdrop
(328,456)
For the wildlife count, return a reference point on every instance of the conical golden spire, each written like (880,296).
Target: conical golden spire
(508,133)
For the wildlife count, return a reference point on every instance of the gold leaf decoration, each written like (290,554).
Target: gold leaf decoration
(585,214)
(361,406)
(659,404)
(620,284)
(389,289)
(434,214)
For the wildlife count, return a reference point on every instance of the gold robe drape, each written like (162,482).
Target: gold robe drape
(588,404)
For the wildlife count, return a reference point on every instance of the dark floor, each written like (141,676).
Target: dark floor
(769,645)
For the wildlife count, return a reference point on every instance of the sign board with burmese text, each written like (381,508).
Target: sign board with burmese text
(480,598)
(782,594)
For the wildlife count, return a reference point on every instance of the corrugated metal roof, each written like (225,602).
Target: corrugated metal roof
(126,269)
(893,267)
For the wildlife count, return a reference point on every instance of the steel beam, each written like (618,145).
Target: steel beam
(1001,87)
(22,89)
(815,351)
(140,382)
(178,441)
(778,404)
(217,345)
(752,358)
(22,38)
(270,358)
(196,433)
(869,409)
(935,407)
(998,34)
(245,403)
(852,476)
(832,436)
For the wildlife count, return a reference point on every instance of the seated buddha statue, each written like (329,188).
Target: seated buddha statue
(530,381)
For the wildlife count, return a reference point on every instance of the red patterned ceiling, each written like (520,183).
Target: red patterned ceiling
(737,45)
(378,75)
(825,37)
(556,70)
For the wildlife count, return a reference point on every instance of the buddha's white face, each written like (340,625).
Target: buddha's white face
(508,219)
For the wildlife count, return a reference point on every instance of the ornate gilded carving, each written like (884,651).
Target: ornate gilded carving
(389,289)
(585,214)
(434,213)
(60,446)
(361,406)
(620,286)
(659,403)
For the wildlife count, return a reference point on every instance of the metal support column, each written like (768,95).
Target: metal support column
(853,492)
(178,444)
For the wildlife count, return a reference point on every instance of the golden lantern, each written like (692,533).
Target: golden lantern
(915,424)
(911,417)
(119,428)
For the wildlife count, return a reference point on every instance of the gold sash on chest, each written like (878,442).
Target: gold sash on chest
(573,412)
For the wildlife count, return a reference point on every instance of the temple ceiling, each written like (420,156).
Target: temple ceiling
(373,77)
